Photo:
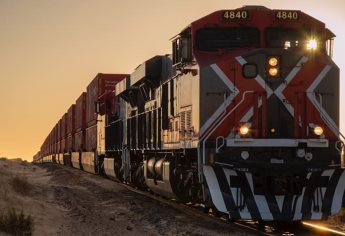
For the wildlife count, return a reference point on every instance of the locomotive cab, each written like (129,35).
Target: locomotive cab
(182,48)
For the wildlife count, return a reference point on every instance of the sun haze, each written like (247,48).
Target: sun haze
(50,51)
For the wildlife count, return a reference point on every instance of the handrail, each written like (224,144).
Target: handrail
(324,116)
(328,121)
(209,133)
(218,147)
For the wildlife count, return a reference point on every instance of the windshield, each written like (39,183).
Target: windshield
(214,39)
(287,38)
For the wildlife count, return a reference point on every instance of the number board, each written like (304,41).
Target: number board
(235,15)
(287,15)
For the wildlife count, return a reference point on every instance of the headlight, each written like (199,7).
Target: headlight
(311,44)
(244,130)
(318,130)
(273,66)
(273,61)
(273,72)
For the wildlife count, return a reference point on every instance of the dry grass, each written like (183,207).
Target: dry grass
(3,171)
(19,160)
(16,223)
(12,221)
(4,193)
(340,217)
(21,185)
(25,163)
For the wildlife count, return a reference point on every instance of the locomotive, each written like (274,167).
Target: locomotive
(242,117)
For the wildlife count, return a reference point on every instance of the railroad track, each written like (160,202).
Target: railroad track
(253,227)
(196,211)
(250,227)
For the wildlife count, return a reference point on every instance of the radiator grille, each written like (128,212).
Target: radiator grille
(186,124)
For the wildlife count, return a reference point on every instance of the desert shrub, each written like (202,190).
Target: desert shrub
(24,163)
(341,215)
(4,171)
(18,159)
(4,193)
(16,223)
(21,185)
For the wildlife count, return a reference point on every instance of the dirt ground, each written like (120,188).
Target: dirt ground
(66,201)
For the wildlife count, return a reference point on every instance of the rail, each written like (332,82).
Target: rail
(219,146)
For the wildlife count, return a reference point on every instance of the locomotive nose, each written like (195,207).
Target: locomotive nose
(299,88)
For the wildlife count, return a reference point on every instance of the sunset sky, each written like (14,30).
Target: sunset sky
(51,49)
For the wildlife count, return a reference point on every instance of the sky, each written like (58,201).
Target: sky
(50,50)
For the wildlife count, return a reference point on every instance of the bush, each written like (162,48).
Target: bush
(341,215)
(18,159)
(16,223)
(21,185)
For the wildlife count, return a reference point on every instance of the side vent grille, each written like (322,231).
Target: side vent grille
(186,123)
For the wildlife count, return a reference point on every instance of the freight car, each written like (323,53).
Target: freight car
(243,117)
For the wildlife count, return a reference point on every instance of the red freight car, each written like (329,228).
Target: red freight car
(79,133)
(63,132)
(70,128)
(59,140)
(54,143)
(79,139)
(98,95)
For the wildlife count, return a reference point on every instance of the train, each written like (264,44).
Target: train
(242,116)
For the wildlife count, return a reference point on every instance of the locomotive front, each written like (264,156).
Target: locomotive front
(269,143)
